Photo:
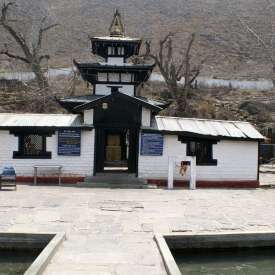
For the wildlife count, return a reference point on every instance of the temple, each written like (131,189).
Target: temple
(114,102)
(115,74)
(113,130)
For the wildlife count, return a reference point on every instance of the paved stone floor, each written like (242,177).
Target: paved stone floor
(110,231)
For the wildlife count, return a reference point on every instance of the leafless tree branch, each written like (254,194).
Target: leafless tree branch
(173,71)
(32,56)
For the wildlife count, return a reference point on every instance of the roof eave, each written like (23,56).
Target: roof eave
(94,103)
(196,135)
(46,128)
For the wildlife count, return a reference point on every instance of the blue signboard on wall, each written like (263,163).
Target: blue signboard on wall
(151,144)
(69,142)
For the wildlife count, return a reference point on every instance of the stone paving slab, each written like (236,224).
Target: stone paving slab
(110,231)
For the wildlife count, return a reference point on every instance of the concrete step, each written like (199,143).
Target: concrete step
(115,185)
(115,180)
(118,178)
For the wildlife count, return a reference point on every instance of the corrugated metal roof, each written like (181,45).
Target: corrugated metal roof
(80,99)
(38,120)
(207,127)
(115,38)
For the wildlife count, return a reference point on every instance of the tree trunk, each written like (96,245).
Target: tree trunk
(182,106)
(39,76)
(180,98)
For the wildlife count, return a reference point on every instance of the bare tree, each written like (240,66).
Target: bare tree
(174,68)
(31,51)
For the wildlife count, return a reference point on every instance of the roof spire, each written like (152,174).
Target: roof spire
(117,27)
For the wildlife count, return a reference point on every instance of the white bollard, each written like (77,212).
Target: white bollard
(171,161)
(192,185)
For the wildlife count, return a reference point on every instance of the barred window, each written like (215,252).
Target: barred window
(203,150)
(113,77)
(32,146)
(126,77)
(111,50)
(102,77)
(120,50)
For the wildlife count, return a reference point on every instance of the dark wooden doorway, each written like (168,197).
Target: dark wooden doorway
(116,150)
(117,123)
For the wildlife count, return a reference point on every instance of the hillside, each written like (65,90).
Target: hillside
(230,52)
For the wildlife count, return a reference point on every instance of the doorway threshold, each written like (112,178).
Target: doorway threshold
(115,169)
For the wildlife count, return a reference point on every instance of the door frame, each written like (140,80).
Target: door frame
(99,149)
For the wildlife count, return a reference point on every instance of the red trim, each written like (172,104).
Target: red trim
(209,184)
(51,179)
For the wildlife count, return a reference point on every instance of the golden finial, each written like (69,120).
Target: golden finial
(117,27)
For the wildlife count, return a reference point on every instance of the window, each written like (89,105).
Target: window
(32,146)
(113,77)
(102,77)
(126,77)
(111,50)
(120,50)
(116,51)
(201,148)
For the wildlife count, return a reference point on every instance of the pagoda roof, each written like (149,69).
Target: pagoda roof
(116,38)
(79,103)
(124,66)
(139,100)
(71,103)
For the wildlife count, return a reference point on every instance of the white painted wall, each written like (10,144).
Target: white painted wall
(72,165)
(114,77)
(89,116)
(115,60)
(237,160)
(146,117)
(103,89)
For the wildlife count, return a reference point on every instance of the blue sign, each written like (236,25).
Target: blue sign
(69,142)
(151,144)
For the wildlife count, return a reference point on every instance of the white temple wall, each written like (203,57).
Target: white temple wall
(115,60)
(103,89)
(237,160)
(72,165)
(89,116)
(146,117)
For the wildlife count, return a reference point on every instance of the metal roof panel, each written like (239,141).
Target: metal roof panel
(208,127)
(249,130)
(38,120)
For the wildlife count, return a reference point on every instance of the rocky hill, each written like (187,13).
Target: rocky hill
(230,51)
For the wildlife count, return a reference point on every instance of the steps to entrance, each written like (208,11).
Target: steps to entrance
(116,180)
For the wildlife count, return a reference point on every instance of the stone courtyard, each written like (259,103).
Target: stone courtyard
(110,231)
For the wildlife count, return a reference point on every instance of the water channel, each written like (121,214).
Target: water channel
(16,262)
(242,261)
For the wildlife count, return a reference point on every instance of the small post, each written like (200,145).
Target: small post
(59,175)
(193,173)
(171,161)
(35,175)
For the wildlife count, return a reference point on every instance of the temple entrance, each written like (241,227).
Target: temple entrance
(117,120)
(116,150)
